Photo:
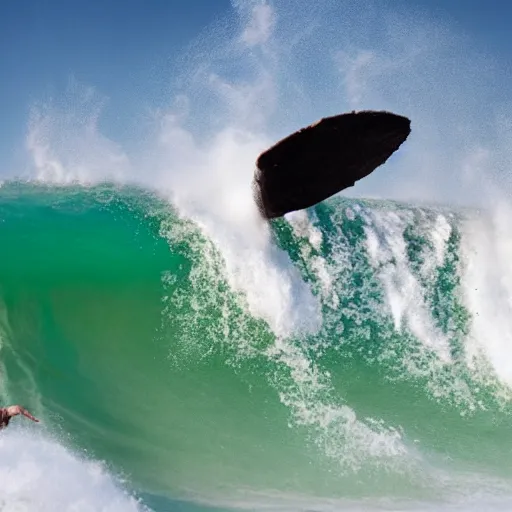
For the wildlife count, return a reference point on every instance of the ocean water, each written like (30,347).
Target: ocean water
(161,386)
(184,355)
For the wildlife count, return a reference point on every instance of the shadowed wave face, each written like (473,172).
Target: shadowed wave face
(316,162)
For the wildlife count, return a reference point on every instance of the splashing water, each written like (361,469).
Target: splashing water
(412,301)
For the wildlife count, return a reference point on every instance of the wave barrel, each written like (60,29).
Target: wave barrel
(318,161)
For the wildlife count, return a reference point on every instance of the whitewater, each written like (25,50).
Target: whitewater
(183,354)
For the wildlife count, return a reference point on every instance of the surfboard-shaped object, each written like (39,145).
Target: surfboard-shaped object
(316,162)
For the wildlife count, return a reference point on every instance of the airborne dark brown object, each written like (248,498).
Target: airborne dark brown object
(316,162)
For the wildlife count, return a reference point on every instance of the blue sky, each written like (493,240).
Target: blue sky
(127,50)
(487,21)
(120,47)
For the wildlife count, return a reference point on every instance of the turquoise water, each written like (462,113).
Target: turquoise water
(362,380)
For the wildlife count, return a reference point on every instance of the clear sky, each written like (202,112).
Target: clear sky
(129,52)
(118,46)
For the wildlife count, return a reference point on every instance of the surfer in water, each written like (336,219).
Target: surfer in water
(6,413)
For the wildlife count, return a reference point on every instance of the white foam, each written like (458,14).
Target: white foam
(37,475)
(224,209)
(388,255)
(487,287)
(303,227)
(338,432)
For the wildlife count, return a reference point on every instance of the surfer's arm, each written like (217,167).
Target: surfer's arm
(14,410)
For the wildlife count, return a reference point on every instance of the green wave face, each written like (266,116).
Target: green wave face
(121,327)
